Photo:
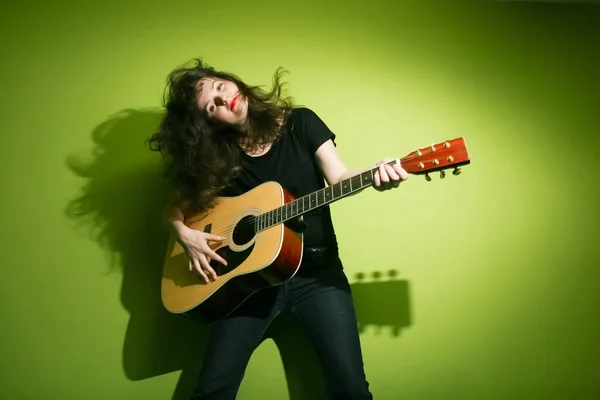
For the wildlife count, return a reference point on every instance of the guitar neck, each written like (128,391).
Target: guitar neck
(435,158)
(316,199)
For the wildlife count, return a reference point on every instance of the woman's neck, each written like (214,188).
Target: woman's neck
(255,150)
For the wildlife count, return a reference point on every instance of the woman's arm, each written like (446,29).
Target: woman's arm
(334,170)
(173,218)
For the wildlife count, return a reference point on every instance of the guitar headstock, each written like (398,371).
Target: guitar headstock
(437,157)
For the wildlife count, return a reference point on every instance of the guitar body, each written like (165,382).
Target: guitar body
(254,260)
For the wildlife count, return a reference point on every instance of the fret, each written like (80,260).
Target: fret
(313,201)
(367,178)
(328,194)
(345,187)
(354,185)
(320,198)
(337,190)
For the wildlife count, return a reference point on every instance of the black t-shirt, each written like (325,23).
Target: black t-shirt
(291,162)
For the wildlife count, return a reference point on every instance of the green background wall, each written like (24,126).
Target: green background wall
(482,286)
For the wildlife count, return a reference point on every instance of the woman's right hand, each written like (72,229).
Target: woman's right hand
(195,243)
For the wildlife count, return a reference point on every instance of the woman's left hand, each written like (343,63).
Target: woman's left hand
(388,176)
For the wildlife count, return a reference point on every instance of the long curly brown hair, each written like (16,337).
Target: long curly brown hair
(200,157)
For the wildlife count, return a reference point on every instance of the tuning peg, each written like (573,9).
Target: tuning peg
(427,178)
(456,171)
(442,174)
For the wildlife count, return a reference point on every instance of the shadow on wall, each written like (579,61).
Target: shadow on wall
(119,207)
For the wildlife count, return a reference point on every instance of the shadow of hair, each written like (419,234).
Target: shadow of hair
(119,207)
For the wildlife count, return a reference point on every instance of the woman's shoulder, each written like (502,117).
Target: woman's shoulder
(302,117)
(302,112)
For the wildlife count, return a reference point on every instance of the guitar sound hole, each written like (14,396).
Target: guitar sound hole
(244,230)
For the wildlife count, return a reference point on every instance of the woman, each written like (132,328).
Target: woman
(222,137)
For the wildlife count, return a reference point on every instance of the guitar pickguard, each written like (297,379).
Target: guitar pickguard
(234,259)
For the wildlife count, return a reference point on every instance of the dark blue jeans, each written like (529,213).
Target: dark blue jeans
(319,296)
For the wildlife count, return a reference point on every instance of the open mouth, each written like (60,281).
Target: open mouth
(233,102)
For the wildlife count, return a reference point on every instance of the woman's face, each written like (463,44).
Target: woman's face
(222,102)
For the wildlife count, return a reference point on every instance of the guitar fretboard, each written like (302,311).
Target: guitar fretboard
(315,200)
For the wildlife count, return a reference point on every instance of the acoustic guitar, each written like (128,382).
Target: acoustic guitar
(264,242)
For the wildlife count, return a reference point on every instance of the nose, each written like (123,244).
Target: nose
(221,101)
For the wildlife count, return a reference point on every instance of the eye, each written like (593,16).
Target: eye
(211,108)
(219,87)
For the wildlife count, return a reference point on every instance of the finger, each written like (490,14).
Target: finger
(394,177)
(385,179)
(199,271)
(207,268)
(377,179)
(383,174)
(190,260)
(401,171)
(392,173)
(217,257)
(215,238)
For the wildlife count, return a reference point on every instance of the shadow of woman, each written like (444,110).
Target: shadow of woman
(119,207)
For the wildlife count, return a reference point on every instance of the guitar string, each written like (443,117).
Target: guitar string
(252,220)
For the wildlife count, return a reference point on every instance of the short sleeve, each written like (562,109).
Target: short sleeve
(311,129)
